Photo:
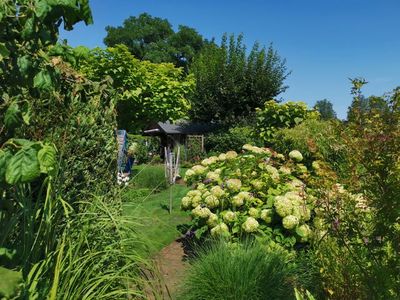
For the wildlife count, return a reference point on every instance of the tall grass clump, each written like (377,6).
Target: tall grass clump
(96,258)
(241,271)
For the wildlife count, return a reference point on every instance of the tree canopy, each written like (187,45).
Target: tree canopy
(146,92)
(231,84)
(325,109)
(152,38)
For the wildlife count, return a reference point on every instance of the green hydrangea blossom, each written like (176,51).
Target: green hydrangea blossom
(283,206)
(250,225)
(296,155)
(290,222)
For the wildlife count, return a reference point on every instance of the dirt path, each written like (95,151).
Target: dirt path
(172,267)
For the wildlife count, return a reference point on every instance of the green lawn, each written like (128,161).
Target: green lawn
(159,227)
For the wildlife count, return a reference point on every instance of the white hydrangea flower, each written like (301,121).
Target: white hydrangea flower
(189,173)
(296,155)
(218,171)
(290,222)
(186,202)
(194,193)
(229,216)
(217,191)
(285,170)
(222,157)
(316,165)
(196,200)
(234,184)
(247,147)
(257,184)
(199,169)
(201,187)
(231,155)
(201,212)
(212,220)
(266,215)
(280,156)
(273,172)
(220,230)
(304,232)
(212,176)
(250,225)
(205,194)
(254,212)
(211,201)
(283,206)
(302,168)
(237,201)
(302,212)
(294,197)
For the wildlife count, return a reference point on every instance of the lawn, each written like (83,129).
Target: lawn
(159,227)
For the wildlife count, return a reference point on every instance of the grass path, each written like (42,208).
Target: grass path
(159,228)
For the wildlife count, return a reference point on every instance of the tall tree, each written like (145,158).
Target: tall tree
(152,38)
(231,84)
(325,109)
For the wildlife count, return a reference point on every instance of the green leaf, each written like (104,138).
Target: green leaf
(12,117)
(4,52)
(297,120)
(24,64)
(26,113)
(42,80)
(199,232)
(47,159)
(5,156)
(23,166)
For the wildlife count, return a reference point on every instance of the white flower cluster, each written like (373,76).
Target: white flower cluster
(123,179)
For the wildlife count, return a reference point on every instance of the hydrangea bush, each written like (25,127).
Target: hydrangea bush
(257,192)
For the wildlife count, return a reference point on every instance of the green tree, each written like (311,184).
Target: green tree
(325,109)
(152,38)
(146,92)
(231,84)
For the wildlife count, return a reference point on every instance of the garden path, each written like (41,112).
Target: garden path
(172,267)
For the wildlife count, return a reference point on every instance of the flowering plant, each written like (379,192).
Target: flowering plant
(257,192)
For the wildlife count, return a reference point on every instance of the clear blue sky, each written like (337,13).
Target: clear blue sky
(324,41)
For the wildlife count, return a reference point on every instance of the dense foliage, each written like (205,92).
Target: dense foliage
(151,38)
(57,162)
(146,93)
(231,84)
(273,116)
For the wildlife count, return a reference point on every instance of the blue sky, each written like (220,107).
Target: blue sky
(323,41)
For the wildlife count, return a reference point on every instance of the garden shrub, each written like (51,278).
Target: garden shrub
(259,192)
(274,116)
(316,140)
(232,139)
(242,271)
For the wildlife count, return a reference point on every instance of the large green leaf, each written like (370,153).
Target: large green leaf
(42,80)
(23,166)
(5,156)
(12,117)
(47,159)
